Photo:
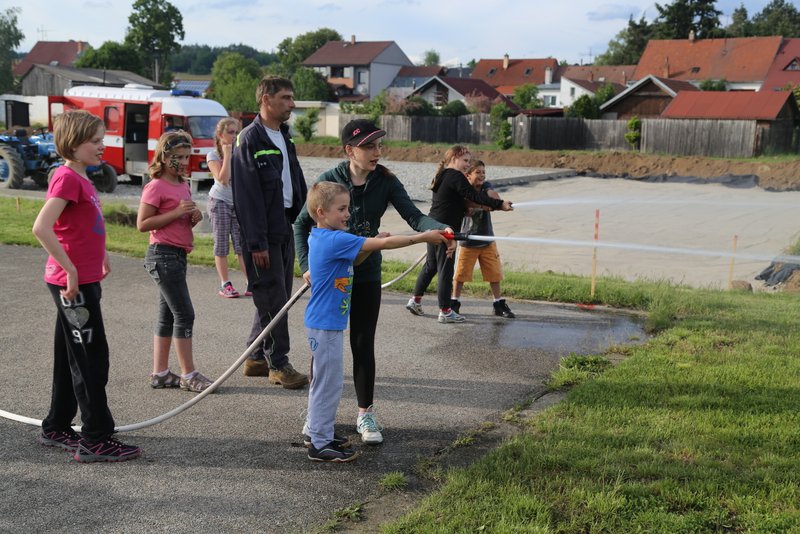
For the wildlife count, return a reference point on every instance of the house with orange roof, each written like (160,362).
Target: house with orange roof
(509,72)
(619,74)
(441,90)
(53,53)
(647,98)
(742,62)
(358,70)
(785,69)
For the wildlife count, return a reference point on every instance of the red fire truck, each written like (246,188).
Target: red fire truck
(135,116)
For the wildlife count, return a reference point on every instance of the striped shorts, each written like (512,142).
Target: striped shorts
(225,227)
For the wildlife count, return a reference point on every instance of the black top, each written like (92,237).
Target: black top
(450,188)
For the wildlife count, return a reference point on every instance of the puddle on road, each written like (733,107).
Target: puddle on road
(575,332)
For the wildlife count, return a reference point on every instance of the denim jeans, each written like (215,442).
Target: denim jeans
(167,267)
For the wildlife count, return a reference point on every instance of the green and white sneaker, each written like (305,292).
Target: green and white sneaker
(368,427)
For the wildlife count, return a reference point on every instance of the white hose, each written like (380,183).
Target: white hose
(194,400)
(404,273)
(223,377)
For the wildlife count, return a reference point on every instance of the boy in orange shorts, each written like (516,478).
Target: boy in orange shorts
(478,221)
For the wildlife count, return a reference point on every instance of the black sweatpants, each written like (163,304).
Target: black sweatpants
(80,369)
(365,305)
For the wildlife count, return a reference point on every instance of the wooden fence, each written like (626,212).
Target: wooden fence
(718,138)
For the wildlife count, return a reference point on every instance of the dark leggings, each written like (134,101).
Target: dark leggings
(365,305)
(437,262)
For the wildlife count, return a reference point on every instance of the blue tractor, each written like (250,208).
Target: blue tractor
(21,156)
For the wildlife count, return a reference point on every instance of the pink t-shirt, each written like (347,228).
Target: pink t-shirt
(165,196)
(80,228)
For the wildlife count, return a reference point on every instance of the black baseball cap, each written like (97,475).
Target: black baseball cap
(360,131)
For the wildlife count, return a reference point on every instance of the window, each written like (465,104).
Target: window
(363,77)
(202,127)
(695,70)
(571,91)
(111,119)
(491,72)
(337,72)
(794,65)
(527,71)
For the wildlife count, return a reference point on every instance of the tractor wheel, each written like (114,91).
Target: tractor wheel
(105,180)
(41,178)
(12,169)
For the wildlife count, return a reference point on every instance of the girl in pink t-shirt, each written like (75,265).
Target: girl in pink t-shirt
(169,214)
(71,229)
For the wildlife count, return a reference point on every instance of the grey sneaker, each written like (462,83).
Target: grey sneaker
(414,307)
(169,380)
(368,427)
(197,384)
(451,317)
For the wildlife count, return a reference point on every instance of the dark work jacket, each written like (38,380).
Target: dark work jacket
(450,189)
(256,167)
(368,203)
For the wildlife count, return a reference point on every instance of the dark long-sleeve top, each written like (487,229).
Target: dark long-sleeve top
(450,189)
(256,169)
(368,203)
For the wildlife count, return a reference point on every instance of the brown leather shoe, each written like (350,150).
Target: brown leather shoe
(288,377)
(256,367)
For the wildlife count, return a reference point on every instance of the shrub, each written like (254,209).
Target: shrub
(456,108)
(634,133)
(307,123)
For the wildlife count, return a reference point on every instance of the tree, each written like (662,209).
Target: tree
(740,26)
(419,107)
(499,127)
(112,56)
(777,18)
(155,28)
(678,19)
(292,52)
(629,44)
(310,85)
(431,58)
(10,38)
(235,79)
(307,123)
(585,107)
(604,94)
(714,85)
(454,108)
(527,96)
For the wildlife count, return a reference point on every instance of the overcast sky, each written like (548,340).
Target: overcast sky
(574,30)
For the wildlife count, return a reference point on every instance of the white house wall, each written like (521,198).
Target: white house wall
(37,111)
(567,96)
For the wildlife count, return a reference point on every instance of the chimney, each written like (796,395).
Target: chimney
(666,67)
(505,62)
(352,39)
(691,36)
(624,78)
(548,75)
(591,75)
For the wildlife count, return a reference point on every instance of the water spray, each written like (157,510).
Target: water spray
(595,201)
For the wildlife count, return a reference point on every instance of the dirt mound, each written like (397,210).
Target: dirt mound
(783,176)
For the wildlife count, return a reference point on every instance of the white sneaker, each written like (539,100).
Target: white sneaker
(451,317)
(414,307)
(368,427)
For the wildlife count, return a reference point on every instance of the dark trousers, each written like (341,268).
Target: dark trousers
(365,305)
(437,262)
(167,267)
(80,368)
(271,288)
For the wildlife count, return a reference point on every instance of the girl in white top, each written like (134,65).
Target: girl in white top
(224,224)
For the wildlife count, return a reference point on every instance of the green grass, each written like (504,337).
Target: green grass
(698,430)
(393,481)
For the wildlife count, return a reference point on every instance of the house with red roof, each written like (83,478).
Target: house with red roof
(515,72)
(358,70)
(441,90)
(53,53)
(785,68)
(765,107)
(742,62)
(647,98)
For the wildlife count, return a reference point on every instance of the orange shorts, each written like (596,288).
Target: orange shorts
(487,257)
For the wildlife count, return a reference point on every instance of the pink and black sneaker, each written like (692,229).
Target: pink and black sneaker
(228,292)
(63,439)
(108,450)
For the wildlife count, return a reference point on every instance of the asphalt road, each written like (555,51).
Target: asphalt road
(232,463)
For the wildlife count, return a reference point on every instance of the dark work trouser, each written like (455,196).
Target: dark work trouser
(437,262)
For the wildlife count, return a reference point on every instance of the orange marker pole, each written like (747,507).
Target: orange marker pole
(733,260)
(594,250)
(18,206)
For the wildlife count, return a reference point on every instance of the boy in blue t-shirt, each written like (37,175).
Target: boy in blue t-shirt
(331,255)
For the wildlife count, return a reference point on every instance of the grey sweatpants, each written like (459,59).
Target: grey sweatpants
(327,380)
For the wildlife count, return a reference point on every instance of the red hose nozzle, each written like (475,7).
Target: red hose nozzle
(458,236)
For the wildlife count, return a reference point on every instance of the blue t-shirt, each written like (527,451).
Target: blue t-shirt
(330,261)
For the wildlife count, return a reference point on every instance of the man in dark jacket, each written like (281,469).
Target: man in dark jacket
(268,192)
